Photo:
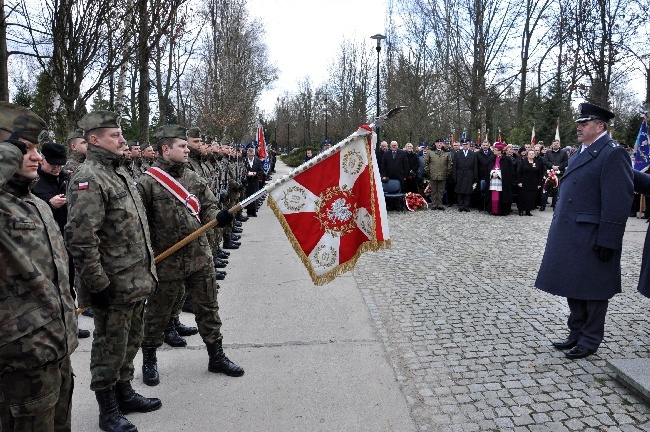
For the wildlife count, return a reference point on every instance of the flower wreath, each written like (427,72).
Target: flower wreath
(551,180)
(415,202)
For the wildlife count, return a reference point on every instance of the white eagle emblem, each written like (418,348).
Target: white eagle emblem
(340,211)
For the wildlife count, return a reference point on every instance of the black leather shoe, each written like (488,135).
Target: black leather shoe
(230,245)
(219,263)
(565,344)
(239,224)
(236,230)
(235,237)
(219,275)
(241,218)
(82,334)
(579,352)
(222,254)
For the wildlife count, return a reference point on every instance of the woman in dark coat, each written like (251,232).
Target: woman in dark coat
(642,186)
(529,176)
(501,180)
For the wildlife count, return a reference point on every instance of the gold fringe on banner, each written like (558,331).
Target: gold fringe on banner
(370,245)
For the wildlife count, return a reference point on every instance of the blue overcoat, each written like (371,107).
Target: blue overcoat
(642,185)
(594,201)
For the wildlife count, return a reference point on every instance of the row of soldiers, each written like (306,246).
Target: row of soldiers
(116,226)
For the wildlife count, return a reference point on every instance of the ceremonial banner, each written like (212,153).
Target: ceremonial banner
(334,210)
(641,148)
(557,131)
(261,151)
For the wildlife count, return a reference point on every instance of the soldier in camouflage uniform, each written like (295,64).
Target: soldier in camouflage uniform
(108,236)
(78,147)
(172,219)
(148,157)
(37,312)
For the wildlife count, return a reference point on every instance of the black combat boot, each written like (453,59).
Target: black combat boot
(130,401)
(235,237)
(150,367)
(188,306)
(182,329)
(238,224)
(230,245)
(172,338)
(219,263)
(219,363)
(220,275)
(222,254)
(110,417)
(241,218)
(237,230)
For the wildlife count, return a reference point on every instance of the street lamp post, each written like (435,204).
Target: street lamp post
(378,37)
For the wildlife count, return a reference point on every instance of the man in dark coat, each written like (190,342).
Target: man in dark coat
(582,260)
(556,159)
(254,171)
(642,186)
(483,159)
(394,164)
(465,173)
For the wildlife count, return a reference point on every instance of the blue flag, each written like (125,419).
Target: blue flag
(641,148)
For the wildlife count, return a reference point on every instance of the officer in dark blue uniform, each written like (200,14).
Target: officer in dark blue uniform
(582,260)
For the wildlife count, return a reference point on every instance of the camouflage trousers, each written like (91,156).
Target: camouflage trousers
(37,399)
(202,287)
(116,341)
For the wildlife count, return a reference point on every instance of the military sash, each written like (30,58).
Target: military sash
(191,202)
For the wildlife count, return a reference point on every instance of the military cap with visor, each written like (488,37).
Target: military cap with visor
(99,119)
(77,133)
(194,132)
(588,111)
(31,127)
(170,131)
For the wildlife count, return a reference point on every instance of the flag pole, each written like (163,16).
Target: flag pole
(379,121)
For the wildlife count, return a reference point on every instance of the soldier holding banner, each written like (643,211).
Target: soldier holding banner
(177,202)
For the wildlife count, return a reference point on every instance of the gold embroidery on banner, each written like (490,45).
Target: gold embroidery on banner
(352,162)
(325,256)
(294,198)
(336,210)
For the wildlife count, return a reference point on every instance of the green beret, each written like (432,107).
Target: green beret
(171,131)
(194,132)
(99,119)
(32,128)
(77,133)
(8,113)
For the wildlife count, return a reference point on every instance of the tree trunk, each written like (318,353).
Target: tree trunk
(4,74)
(143,72)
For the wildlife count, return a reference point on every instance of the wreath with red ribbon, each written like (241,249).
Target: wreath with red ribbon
(551,180)
(415,202)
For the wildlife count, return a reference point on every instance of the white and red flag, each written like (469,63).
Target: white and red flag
(533,139)
(334,210)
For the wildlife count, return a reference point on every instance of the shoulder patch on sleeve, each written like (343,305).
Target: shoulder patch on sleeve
(82,184)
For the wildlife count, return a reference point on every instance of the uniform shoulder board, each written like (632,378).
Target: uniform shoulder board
(614,144)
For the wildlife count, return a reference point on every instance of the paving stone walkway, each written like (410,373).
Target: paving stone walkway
(469,336)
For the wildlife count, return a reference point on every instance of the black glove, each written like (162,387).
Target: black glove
(223,218)
(102,299)
(604,254)
(21,145)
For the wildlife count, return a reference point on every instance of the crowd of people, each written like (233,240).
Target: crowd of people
(489,177)
(99,223)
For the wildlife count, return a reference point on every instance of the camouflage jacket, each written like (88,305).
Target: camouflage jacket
(170,221)
(107,231)
(73,163)
(37,312)
(194,163)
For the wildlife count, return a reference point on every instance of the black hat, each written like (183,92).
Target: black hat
(54,153)
(589,111)
(442,140)
(522,149)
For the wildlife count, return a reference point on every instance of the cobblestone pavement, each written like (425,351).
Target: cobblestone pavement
(469,336)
